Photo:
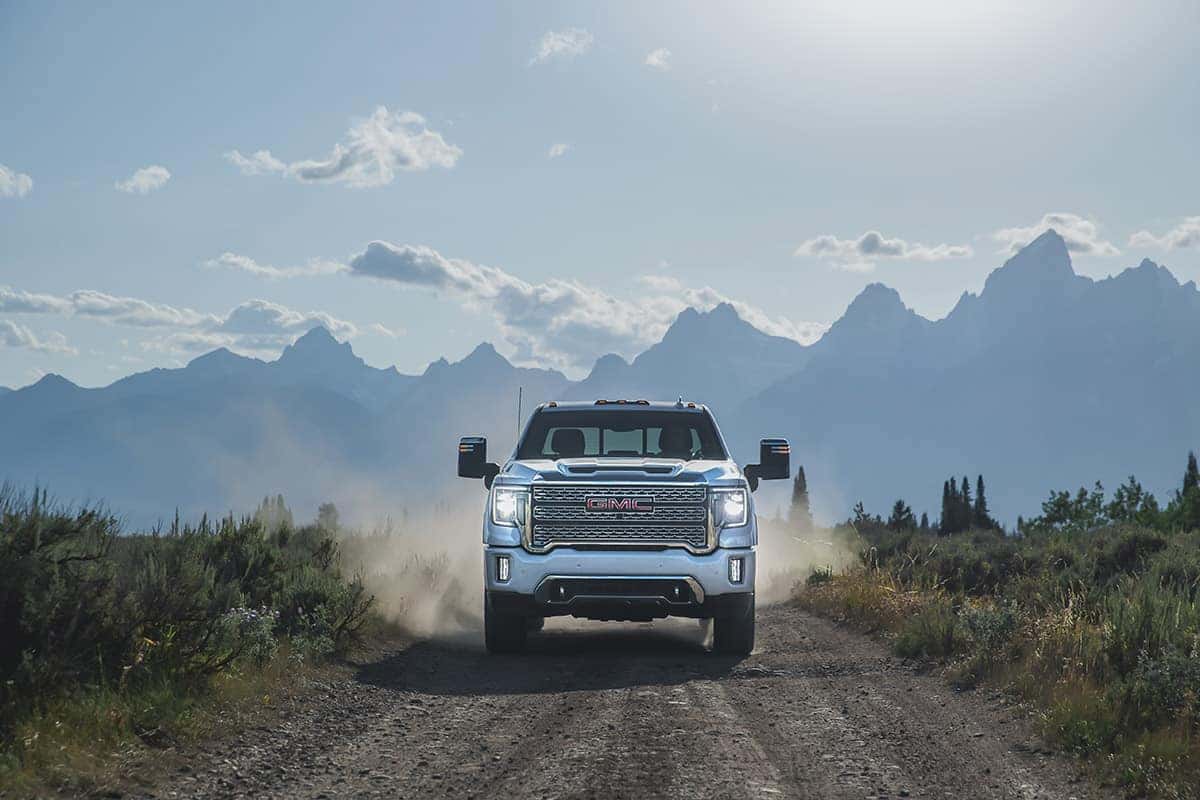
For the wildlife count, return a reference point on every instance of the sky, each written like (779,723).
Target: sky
(561,178)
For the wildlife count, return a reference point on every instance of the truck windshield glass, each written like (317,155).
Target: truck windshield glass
(621,434)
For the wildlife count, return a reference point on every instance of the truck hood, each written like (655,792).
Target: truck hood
(621,470)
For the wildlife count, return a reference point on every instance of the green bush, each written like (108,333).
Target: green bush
(933,632)
(84,608)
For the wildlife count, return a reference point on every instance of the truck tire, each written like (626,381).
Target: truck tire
(734,635)
(502,633)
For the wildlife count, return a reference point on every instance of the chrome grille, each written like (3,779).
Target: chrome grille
(560,517)
(661,513)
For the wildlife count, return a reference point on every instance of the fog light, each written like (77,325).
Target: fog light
(736,572)
(502,568)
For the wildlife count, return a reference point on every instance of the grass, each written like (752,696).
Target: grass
(1098,631)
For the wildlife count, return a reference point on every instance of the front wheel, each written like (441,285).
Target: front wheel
(733,634)
(502,633)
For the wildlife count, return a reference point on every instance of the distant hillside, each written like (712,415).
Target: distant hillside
(1046,378)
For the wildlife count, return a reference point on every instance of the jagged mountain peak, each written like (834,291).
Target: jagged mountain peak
(318,345)
(1043,265)
(484,353)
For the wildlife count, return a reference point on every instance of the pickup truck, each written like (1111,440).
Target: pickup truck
(620,510)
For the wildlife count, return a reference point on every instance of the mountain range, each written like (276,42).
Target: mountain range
(1045,379)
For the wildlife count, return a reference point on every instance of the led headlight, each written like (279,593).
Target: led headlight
(508,506)
(729,508)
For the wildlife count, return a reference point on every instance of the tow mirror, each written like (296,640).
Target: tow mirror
(472,460)
(774,462)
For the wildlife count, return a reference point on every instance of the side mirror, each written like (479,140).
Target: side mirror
(472,460)
(774,462)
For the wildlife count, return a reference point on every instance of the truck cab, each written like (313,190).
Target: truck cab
(624,510)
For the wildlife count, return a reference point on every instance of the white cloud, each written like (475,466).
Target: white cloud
(145,180)
(379,329)
(261,162)
(562,323)
(246,264)
(557,150)
(567,43)
(14,335)
(860,255)
(1185,234)
(375,149)
(14,184)
(255,325)
(1081,235)
(659,59)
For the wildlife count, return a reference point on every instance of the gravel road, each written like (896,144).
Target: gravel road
(636,711)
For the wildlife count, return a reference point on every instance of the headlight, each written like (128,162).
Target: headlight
(728,508)
(508,506)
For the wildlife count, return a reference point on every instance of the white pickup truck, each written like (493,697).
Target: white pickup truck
(620,510)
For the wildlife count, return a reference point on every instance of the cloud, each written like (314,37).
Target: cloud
(860,255)
(1081,235)
(567,43)
(255,325)
(659,59)
(557,150)
(379,329)
(1185,234)
(145,180)
(246,264)
(14,335)
(14,184)
(375,149)
(18,302)
(562,323)
(261,162)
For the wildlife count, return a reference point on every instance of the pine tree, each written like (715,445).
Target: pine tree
(982,518)
(947,508)
(800,514)
(902,517)
(924,522)
(964,506)
(1188,500)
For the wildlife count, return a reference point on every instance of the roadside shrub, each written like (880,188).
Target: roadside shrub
(819,576)
(86,609)
(933,632)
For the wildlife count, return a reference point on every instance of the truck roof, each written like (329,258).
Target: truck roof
(621,405)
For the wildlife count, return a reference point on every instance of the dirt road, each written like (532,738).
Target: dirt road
(640,711)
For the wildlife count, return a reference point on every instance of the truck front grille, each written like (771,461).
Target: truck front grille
(639,516)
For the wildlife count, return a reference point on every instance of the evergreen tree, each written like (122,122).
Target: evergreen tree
(1185,509)
(924,522)
(982,518)
(952,500)
(902,517)
(964,506)
(800,514)
(947,504)
(327,517)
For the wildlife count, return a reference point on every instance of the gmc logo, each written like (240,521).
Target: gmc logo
(642,504)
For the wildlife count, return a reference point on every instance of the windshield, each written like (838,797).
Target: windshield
(621,434)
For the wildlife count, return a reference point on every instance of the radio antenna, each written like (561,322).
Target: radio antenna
(520,391)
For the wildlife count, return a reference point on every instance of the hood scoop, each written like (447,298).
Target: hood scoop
(574,467)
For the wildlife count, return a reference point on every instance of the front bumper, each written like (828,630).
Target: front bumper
(532,575)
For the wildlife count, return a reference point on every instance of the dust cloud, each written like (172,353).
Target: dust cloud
(426,571)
